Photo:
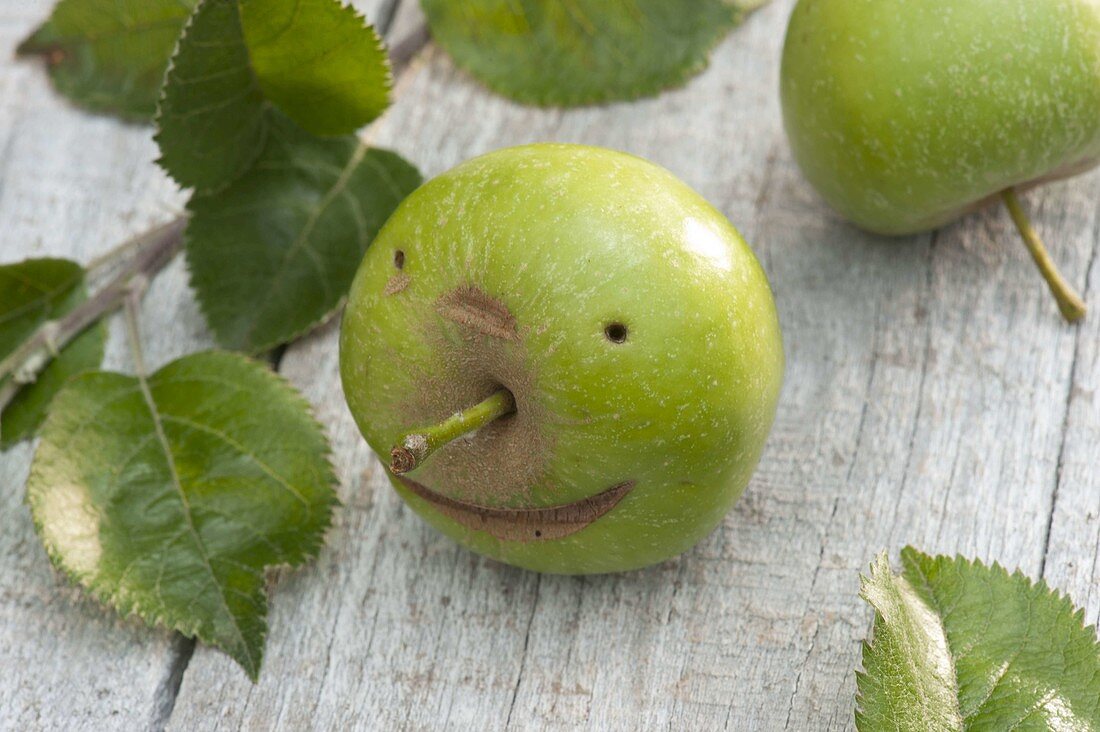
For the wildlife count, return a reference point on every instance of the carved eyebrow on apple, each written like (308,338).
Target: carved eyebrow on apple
(471,307)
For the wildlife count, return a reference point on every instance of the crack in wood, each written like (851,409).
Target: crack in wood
(523,655)
(926,352)
(1071,389)
(806,608)
(164,698)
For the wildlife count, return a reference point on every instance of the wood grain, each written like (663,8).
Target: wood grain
(925,404)
(74,185)
(933,397)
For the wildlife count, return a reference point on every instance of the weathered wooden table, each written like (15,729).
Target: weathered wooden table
(933,397)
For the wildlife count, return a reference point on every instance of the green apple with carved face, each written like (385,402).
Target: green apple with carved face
(907,114)
(567,358)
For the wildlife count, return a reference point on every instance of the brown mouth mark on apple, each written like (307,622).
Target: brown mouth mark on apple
(524,524)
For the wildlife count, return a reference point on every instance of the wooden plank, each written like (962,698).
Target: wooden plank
(1072,561)
(932,398)
(965,460)
(75,185)
(925,403)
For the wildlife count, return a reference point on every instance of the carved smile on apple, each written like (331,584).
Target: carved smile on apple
(524,524)
(569,359)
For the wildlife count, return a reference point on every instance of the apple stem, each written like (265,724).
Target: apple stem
(414,447)
(1069,302)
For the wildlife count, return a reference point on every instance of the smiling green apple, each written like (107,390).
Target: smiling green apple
(908,114)
(568,358)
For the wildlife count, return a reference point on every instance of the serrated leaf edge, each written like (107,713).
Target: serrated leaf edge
(159,115)
(377,43)
(256,349)
(911,555)
(127,608)
(881,572)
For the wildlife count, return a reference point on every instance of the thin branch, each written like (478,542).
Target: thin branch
(154,250)
(157,248)
(113,258)
(132,301)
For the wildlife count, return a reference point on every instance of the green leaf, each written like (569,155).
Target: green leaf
(168,497)
(31,293)
(211,122)
(110,55)
(273,255)
(555,53)
(316,60)
(319,62)
(962,646)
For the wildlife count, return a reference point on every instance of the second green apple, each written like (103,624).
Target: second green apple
(569,359)
(907,115)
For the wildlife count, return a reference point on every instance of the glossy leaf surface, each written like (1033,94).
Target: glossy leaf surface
(168,497)
(315,60)
(273,255)
(962,646)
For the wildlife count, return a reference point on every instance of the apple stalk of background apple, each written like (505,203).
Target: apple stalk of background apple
(1070,304)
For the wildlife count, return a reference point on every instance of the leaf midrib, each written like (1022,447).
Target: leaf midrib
(241,449)
(306,232)
(162,438)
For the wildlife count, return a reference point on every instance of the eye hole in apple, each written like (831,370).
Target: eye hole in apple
(399,259)
(616,332)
